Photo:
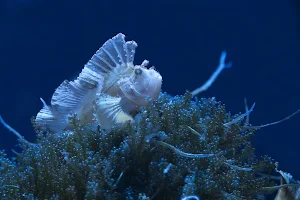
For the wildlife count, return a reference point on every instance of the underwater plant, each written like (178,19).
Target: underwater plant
(172,147)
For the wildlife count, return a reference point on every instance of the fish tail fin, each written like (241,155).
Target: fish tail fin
(48,119)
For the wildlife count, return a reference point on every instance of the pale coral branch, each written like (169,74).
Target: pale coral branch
(181,153)
(191,197)
(237,119)
(16,133)
(247,121)
(222,65)
(273,123)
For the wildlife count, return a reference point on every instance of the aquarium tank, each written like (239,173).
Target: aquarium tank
(151,100)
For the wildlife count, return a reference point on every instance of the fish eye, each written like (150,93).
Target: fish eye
(138,71)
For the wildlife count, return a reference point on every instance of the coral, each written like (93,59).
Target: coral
(176,148)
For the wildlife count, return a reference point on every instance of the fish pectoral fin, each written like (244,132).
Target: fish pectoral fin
(122,117)
(109,108)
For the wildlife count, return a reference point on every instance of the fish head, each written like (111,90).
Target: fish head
(143,86)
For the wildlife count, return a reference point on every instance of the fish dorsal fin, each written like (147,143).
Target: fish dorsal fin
(72,96)
(108,109)
(114,52)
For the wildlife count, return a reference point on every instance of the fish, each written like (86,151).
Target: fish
(288,193)
(109,90)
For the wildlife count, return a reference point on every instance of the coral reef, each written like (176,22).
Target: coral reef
(177,148)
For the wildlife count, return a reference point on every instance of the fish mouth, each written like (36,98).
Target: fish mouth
(158,79)
(155,85)
(153,81)
(155,75)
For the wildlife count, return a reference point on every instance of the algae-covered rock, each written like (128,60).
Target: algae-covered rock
(175,148)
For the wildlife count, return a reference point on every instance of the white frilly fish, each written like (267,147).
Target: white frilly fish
(107,91)
(288,193)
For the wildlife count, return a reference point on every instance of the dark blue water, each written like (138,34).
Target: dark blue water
(43,43)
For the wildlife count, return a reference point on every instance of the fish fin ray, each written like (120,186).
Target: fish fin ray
(111,108)
(72,96)
(48,119)
(130,47)
(114,52)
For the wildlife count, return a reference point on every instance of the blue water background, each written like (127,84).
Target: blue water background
(43,43)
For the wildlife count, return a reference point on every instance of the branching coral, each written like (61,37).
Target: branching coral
(157,157)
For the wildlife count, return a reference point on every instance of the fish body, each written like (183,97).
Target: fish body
(106,92)
(287,193)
